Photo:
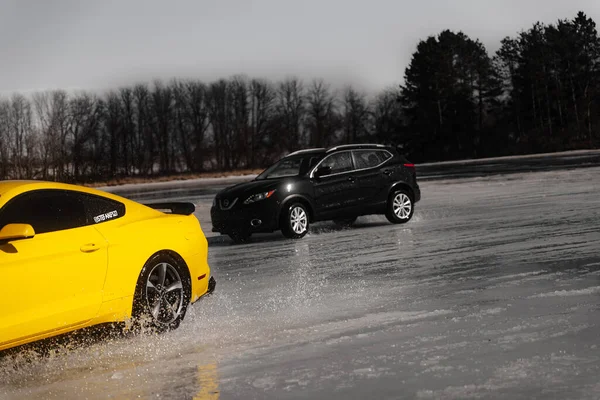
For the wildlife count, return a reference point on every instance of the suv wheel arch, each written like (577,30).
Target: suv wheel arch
(300,199)
(402,185)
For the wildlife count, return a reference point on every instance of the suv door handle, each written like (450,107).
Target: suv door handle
(351,179)
(90,247)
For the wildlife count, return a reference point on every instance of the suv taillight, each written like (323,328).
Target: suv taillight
(409,165)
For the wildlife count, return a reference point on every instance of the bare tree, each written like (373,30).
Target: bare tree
(127,103)
(262,107)
(142,140)
(241,139)
(20,123)
(197,113)
(356,116)
(32,140)
(48,140)
(290,114)
(387,116)
(112,128)
(191,121)
(85,114)
(322,113)
(5,138)
(59,125)
(182,125)
(220,119)
(162,108)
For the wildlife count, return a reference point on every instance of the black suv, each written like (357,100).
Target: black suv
(312,185)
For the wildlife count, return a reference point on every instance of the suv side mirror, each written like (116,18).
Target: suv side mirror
(322,171)
(16,232)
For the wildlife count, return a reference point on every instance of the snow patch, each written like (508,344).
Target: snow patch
(523,274)
(481,314)
(117,375)
(264,383)
(491,311)
(567,293)
(439,369)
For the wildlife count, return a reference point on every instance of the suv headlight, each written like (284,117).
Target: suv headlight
(259,196)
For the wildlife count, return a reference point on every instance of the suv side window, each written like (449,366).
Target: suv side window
(339,162)
(384,155)
(45,211)
(307,164)
(369,158)
(98,209)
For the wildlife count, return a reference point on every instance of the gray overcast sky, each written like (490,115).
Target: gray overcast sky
(99,44)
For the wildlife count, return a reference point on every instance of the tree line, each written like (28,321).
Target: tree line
(180,126)
(539,92)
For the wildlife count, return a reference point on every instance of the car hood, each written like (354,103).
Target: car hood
(248,188)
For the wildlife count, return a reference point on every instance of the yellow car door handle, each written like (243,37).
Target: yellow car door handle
(90,247)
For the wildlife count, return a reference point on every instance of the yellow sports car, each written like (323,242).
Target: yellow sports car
(72,257)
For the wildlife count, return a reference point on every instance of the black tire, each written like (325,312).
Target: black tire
(295,221)
(345,222)
(159,303)
(400,207)
(240,237)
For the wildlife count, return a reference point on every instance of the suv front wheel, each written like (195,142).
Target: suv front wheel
(400,207)
(294,221)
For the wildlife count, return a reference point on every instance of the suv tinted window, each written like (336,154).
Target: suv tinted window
(308,163)
(369,158)
(45,211)
(339,162)
(284,167)
(289,166)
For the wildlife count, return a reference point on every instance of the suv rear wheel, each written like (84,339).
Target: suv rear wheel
(400,207)
(294,221)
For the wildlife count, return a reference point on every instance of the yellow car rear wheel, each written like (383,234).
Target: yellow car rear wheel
(162,293)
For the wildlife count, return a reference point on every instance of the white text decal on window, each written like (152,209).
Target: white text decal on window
(104,217)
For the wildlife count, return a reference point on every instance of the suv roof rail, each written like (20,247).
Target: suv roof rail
(307,151)
(357,146)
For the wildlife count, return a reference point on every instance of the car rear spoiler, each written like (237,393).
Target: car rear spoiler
(174,207)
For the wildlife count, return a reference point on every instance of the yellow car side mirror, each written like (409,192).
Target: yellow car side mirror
(16,232)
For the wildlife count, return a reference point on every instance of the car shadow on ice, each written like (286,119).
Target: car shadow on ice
(224,240)
(318,228)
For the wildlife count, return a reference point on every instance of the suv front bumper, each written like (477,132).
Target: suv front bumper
(252,218)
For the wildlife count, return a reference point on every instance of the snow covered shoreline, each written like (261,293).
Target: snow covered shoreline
(425,170)
(178,183)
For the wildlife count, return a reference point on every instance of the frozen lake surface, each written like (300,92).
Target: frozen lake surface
(491,291)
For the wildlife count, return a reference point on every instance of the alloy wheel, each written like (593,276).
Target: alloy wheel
(402,206)
(298,220)
(164,293)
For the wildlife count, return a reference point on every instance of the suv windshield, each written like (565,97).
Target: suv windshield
(289,166)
